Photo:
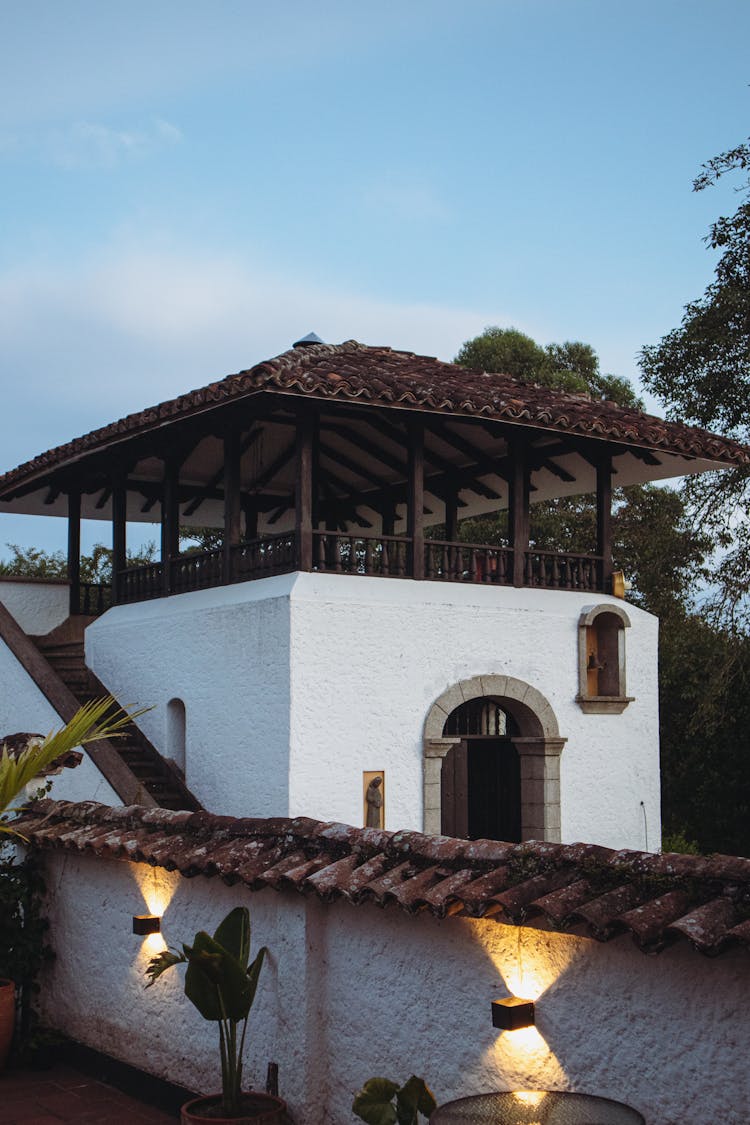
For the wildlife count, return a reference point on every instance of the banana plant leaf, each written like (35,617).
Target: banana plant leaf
(215,978)
(374,1102)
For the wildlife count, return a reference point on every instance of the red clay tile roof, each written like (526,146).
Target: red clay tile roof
(353,372)
(584,888)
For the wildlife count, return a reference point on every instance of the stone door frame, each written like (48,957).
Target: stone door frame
(539,748)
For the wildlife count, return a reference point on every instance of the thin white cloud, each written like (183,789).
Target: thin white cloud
(90,144)
(139,325)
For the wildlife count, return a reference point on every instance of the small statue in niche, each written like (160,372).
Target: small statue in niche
(374,801)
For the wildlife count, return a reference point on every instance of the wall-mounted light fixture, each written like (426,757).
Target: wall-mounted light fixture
(144,924)
(512,1014)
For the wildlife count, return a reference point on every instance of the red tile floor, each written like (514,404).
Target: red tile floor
(64,1096)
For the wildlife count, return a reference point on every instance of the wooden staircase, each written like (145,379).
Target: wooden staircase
(157,775)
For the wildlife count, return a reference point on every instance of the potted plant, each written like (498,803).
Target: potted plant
(382,1102)
(19,768)
(221,982)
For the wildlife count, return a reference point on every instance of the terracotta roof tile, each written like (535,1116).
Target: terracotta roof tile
(380,376)
(658,899)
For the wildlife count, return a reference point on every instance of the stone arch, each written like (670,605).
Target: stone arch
(539,747)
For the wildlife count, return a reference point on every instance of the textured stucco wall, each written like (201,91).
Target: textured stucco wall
(225,654)
(349,992)
(24,708)
(370,655)
(38,607)
(294,685)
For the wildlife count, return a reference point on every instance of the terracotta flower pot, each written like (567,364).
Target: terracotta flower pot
(7,1017)
(257,1109)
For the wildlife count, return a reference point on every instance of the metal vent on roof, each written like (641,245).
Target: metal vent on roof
(307,340)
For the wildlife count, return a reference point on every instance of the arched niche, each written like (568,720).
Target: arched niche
(602,660)
(538,743)
(176,734)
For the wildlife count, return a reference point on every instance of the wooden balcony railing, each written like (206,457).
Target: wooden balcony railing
(380,556)
(383,556)
(94,598)
(552,571)
(139,583)
(468,562)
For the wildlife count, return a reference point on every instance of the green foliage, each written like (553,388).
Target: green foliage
(572,366)
(701,372)
(705,717)
(94,720)
(382,1102)
(24,945)
(33,562)
(677,841)
(221,982)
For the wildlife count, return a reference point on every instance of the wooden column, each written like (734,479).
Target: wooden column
(119,544)
(170,521)
(416,495)
(451,514)
(250,508)
(232,506)
(303,499)
(518,507)
(604,518)
(74,550)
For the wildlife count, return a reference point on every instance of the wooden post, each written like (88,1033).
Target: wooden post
(451,514)
(74,550)
(389,518)
(232,507)
(119,534)
(518,504)
(416,495)
(250,508)
(170,521)
(604,518)
(303,504)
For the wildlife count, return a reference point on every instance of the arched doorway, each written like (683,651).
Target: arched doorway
(513,718)
(480,779)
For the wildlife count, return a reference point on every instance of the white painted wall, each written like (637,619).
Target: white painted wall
(371,655)
(37,606)
(225,654)
(295,685)
(23,707)
(350,992)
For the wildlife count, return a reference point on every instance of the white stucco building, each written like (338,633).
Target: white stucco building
(345,630)
(346,657)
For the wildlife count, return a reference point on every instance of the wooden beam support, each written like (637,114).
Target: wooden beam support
(415,431)
(119,534)
(232,505)
(74,550)
(206,492)
(451,515)
(170,520)
(604,517)
(303,498)
(518,513)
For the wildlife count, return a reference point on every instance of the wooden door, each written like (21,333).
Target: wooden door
(481,790)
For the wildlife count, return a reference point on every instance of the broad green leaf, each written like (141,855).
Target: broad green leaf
(253,974)
(214,976)
(414,1096)
(234,934)
(374,1102)
(161,962)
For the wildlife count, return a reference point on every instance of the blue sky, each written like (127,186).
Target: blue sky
(187,188)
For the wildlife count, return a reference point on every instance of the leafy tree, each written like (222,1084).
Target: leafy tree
(701,372)
(572,366)
(34,562)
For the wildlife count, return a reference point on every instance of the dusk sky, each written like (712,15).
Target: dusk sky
(188,188)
